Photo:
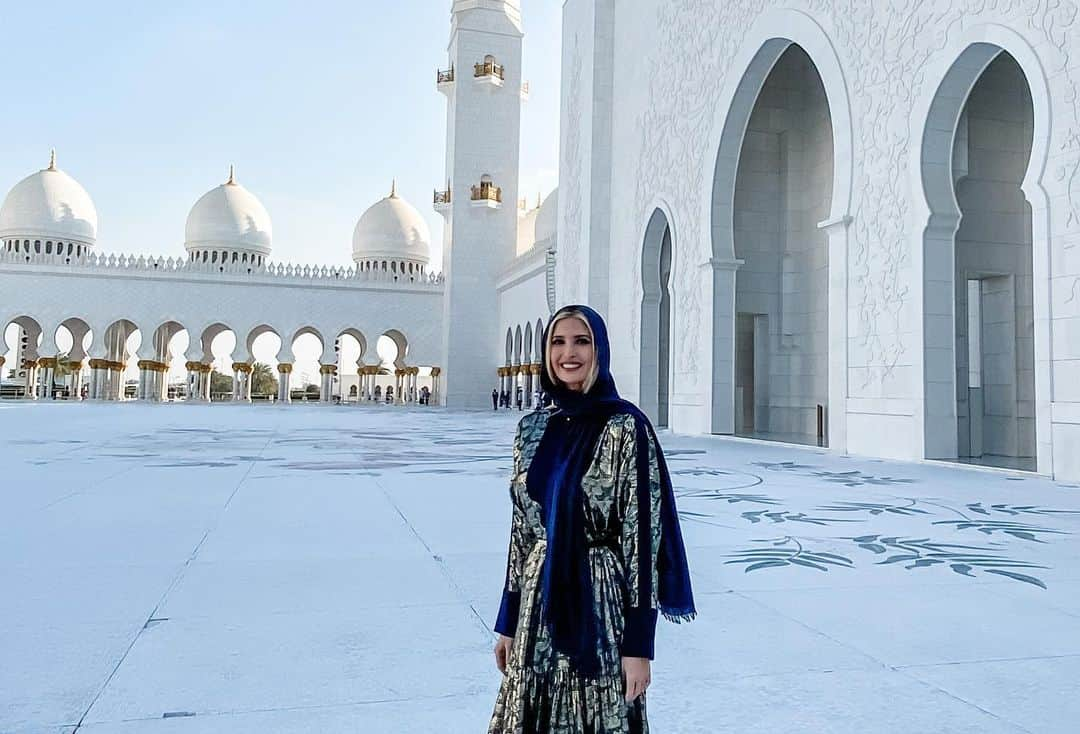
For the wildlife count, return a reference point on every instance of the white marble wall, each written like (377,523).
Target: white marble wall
(687,74)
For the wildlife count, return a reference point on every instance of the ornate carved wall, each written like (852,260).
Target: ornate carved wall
(679,65)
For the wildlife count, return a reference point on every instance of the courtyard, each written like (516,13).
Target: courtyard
(242,569)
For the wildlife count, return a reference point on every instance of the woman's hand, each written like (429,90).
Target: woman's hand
(502,651)
(638,675)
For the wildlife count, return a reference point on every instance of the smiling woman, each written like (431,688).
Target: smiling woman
(594,521)
(571,357)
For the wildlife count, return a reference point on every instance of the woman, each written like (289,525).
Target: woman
(595,550)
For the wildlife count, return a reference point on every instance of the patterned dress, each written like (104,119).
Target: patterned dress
(541,691)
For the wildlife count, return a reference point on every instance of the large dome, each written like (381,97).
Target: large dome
(392,229)
(547,220)
(229,217)
(49,204)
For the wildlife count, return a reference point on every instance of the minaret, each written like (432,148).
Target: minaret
(483,135)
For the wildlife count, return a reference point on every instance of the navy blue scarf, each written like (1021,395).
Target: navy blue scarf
(562,457)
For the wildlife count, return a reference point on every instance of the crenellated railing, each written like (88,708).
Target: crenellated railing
(487,191)
(320,274)
(489,68)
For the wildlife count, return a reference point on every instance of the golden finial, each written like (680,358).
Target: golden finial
(393,188)
(232,176)
(52,160)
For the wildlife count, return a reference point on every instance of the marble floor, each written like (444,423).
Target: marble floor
(194,569)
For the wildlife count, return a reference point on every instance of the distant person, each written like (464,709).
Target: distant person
(494,399)
(519,400)
(578,615)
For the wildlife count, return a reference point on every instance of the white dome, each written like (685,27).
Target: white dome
(392,229)
(547,221)
(229,217)
(49,204)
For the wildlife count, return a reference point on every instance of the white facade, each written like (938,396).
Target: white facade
(868,208)
(446,327)
(52,277)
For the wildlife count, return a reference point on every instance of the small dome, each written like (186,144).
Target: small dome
(393,229)
(547,220)
(49,204)
(230,217)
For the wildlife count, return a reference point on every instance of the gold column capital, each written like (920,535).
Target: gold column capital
(284,368)
(328,369)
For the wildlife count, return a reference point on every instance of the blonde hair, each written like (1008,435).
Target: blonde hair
(594,369)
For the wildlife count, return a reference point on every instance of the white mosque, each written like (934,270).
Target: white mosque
(86,315)
(849,225)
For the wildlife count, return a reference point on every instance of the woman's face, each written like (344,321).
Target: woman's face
(572,352)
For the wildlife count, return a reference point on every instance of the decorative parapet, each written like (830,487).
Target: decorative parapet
(182,267)
(444,76)
(488,69)
(487,194)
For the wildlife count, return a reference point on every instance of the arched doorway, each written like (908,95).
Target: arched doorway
(655,376)
(783,189)
(979,325)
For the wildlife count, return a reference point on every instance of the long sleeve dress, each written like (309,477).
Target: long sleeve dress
(541,690)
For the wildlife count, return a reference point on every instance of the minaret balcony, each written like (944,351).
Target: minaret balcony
(442,201)
(444,79)
(486,195)
(488,73)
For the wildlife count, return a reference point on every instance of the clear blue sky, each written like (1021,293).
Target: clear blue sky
(319,104)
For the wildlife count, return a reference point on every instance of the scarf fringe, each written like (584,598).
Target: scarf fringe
(680,617)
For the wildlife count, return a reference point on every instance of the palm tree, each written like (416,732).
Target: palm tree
(263,381)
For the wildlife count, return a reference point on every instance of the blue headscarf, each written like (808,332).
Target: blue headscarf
(563,456)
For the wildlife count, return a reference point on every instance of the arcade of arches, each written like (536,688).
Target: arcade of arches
(773,199)
(519,377)
(79,362)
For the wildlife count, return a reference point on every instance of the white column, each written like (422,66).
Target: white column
(193,391)
(284,373)
(30,387)
(95,380)
(142,392)
(46,371)
(326,383)
(236,388)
